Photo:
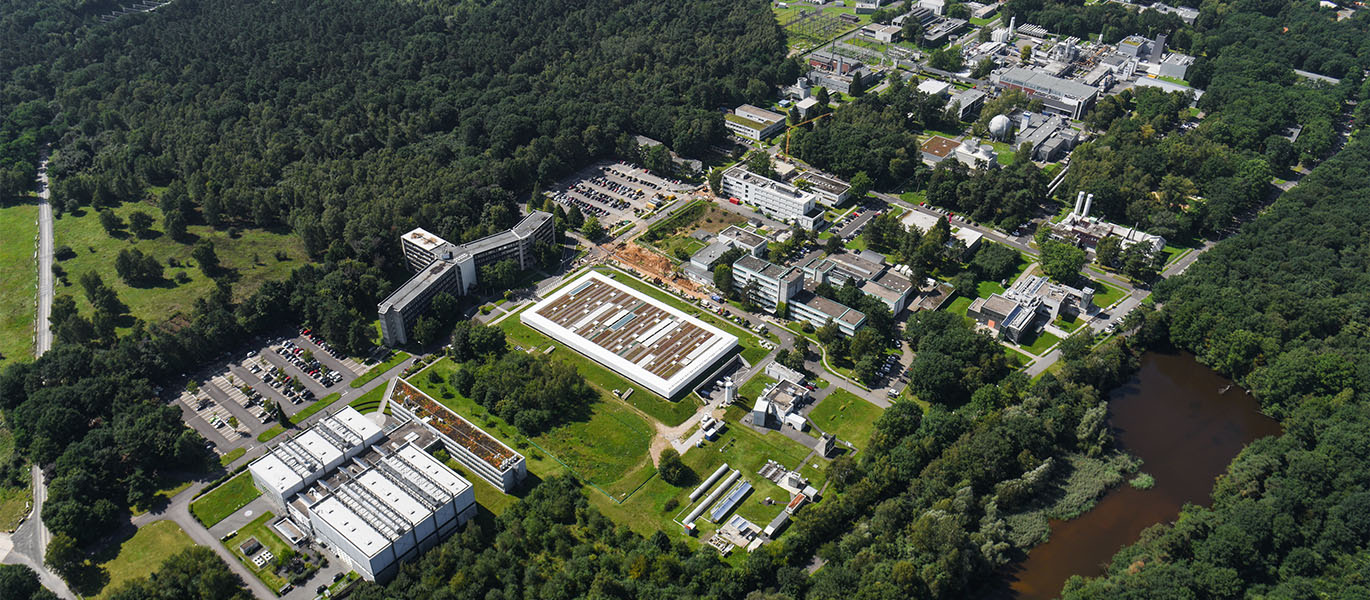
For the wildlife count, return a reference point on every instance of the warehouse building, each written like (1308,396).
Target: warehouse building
(647,341)
(442,266)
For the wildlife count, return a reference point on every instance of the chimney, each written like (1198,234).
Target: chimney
(1158,48)
(1089,201)
(1012,24)
(1079,203)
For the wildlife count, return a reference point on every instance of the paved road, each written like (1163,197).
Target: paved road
(29,543)
(43,338)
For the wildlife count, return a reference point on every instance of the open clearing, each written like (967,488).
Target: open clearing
(251,256)
(18,281)
(846,416)
(144,553)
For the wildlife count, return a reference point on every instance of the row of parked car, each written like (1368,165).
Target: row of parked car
(569,200)
(319,341)
(311,366)
(285,382)
(588,192)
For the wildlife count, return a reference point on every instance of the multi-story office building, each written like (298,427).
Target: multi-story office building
(442,266)
(817,310)
(781,201)
(774,283)
(754,123)
(485,456)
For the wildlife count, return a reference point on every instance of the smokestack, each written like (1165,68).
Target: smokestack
(1089,201)
(1158,48)
(1012,24)
(1079,203)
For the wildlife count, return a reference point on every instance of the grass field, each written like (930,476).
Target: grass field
(1105,295)
(18,281)
(959,305)
(1070,325)
(232,455)
(395,358)
(251,256)
(609,449)
(143,553)
(369,401)
(225,499)
(754,386)
(1040,344)
(740,447)
(1015,358)
(14,501)
(260,529)
(308,411)
(846,416)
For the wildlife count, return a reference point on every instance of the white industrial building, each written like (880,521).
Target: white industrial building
(647,341)
(781,201)
(373,498)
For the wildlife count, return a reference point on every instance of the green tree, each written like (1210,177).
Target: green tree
(861,184)
(64,556)
(1108,250)
(1061,261)
(723,279)
(716,180)
(759,162)
(982,68)
(592,229)
(673,470)
(140,223)
(205,255)
(110,222)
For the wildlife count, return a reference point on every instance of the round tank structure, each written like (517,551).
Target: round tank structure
(1000,127)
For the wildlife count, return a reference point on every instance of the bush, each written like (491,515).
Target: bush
(671,505)
(673,470)
(1143,481)
(64,252)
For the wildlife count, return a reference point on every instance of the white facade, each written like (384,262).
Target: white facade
(299,461)
(700,360)
(782,201)
(774,284)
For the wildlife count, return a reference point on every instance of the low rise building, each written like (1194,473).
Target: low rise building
(817,310)
(754,123)
(941,31)
(754,243)
(830,191)
(937,148)
(778,403)
(968,103)
(1085,231)
(882,33)
(1175,65)
(934,87)
(779,200)
(807,107)
(1015,313)
(1070,98)
(893,289)
(373,498)
(977,156)
(1050,137)
(476,450)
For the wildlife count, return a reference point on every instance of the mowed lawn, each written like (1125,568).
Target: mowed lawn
(603,449)
(846,416)
(251,256)
(18,281)
(144,553)
(225,499)
(14,501)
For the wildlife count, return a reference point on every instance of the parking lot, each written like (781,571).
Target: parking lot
(615,191)
(234,399)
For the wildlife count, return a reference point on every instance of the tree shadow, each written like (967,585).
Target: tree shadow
(149,234)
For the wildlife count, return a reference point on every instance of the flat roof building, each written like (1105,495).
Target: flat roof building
(754,123)
(882,33)
(781,201)
(933,87)
(1070,98)
(937,148)
(1015,312)
(774,283)
(442,266)
(645,340)
(968,102)
(817,310)
(478,451)
(829,190)
(373,498)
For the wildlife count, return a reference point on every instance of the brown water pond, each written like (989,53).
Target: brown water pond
(1174,416)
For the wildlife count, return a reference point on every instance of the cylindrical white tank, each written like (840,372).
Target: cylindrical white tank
(699,510)
(703,487)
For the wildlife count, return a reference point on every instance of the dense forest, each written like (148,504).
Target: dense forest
(1282,307)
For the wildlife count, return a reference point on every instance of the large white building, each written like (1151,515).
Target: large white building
(649,342)
(486,457)
(754,123)
(781,201)
(374,498)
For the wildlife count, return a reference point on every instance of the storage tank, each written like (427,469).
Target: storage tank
(1000,127)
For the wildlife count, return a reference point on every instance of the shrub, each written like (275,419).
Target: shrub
(1143,481)
(64,252)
